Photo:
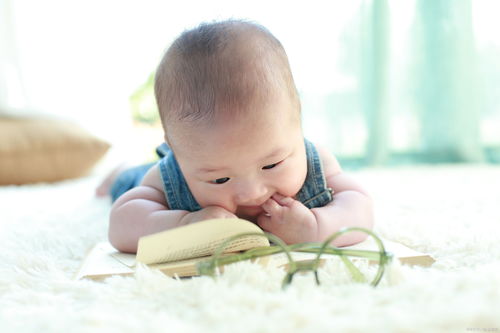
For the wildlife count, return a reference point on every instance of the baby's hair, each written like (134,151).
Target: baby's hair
(222,69)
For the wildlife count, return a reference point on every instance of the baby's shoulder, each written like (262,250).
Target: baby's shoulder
(329,162)
(153,179)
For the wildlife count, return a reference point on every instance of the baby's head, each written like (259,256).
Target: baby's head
(222,71)
(227,100)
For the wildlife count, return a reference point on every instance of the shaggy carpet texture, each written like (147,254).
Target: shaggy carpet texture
(450,212)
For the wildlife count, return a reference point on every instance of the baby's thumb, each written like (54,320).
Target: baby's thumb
(264,222)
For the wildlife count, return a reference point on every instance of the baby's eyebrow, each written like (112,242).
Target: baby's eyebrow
(209,170)
(276,152)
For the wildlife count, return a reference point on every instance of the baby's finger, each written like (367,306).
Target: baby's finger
(271,207)
(264,222)
(282,200)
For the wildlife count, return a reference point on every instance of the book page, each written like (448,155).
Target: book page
(184,268)
(100,263)
(125,258)
(198,240)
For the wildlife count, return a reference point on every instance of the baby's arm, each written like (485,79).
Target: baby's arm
(351,205)
(143,210)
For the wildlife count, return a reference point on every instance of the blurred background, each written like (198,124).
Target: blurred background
(382,82)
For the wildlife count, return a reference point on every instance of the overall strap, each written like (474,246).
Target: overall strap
(177,192)
(314,192)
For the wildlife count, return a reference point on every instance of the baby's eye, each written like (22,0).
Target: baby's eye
(270,166)
(220,180)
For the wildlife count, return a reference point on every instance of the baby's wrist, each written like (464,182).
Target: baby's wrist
(186,218)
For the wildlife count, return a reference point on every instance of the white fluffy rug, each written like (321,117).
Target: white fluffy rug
(451,212)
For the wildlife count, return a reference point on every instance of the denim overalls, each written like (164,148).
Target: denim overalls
(314,192)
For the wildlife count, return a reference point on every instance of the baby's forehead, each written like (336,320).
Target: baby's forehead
(234,154)
(212,147)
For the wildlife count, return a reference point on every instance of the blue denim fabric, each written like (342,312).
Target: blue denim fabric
(128,179)
(132,177)
(176,190)
(314,192)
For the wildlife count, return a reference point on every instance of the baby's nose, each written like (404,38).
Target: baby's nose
(251,194)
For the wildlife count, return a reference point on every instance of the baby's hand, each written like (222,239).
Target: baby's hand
(207,213)
(288,219)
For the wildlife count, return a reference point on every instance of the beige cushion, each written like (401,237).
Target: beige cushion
(45,150)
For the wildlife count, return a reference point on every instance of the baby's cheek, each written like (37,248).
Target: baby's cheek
(292,182)
(227,205)
(290,189)
(209,197)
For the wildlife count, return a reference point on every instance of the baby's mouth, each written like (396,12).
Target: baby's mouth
(251,207)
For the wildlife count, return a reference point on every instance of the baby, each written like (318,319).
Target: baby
(235,148)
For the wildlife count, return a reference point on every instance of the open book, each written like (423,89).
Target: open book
(176,252)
